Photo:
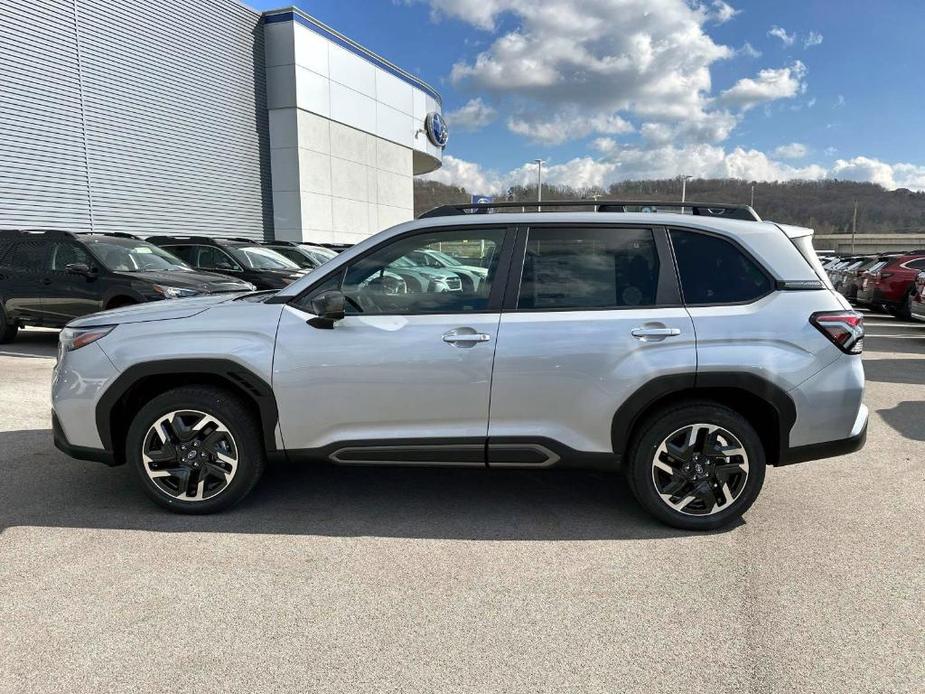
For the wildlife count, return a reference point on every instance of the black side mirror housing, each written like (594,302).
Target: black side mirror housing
(328,308)
(79,269)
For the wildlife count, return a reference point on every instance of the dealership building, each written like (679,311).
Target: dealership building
(204,117)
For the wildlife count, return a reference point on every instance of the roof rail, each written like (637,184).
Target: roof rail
(117,234)
(279,243)
(704,209)
(37,232)
(168,238)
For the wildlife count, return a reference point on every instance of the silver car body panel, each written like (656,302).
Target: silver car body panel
(382,377)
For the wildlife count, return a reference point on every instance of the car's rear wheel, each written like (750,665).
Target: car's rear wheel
(697,466)
(197,449)
(8,329)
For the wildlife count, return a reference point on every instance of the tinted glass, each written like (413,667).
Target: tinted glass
(917,264)
(214,258)
(64,254)
(567,268)
(29,255)
(296,257)
(260,258)
(714,271)
(184,253)
(390,281)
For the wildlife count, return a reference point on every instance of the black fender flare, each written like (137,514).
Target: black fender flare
(630,412)
(237,377)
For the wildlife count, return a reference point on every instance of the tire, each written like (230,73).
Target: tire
(218,464)
(738,476)
(8,330)
(904,310)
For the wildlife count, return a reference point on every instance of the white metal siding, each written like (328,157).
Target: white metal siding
(172,136)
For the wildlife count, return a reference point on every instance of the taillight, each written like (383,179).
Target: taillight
(883,275)
(844,328)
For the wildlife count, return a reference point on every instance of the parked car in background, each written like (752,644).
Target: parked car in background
(48,278)
(917,298)
(471,275)
(250,260)
(889,282)
(305,255)
(839,272)
(611,340)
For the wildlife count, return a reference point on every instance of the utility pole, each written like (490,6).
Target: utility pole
(752,203)
(854,225)
(539,182)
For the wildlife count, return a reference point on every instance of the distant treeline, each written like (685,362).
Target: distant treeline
(826,206)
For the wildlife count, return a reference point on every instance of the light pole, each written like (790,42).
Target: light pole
(539,181)
(684,178)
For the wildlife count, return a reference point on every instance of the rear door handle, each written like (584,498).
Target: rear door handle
(655,332)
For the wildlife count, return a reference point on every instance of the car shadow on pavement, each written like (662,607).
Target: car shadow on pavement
(40,486)
(909,371)
(32,343)
(908,418)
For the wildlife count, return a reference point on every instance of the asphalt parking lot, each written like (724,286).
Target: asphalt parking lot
(357,580)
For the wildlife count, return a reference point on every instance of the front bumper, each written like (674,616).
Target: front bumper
(830,449)
(97,455)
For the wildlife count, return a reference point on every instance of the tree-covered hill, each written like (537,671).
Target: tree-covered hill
(827,206)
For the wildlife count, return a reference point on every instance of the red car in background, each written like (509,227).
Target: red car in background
(890,283)
(917,300)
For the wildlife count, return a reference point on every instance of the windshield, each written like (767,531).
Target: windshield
(320,255)
(257,258)
(135,256)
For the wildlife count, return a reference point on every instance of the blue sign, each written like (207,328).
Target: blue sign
(483,200)
(436,129)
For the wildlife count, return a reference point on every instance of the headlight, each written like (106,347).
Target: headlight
(175,292)
(75,338)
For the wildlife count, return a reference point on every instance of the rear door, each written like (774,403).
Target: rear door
(24,285)
(592,314)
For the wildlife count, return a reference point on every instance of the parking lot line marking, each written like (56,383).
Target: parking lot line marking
(898,337)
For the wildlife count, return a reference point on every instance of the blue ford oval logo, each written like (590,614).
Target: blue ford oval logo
(436,129)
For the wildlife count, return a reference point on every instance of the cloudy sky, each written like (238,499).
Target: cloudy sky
(613,89)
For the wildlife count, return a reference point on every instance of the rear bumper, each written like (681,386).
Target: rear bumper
(97,455)
(830,449)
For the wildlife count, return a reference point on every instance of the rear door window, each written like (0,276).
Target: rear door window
(714,271)
(64,253)
(29,256)
(588,268)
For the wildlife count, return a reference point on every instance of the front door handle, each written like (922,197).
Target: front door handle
(655,332)
(465,337)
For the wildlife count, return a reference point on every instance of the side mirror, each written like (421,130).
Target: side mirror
(79,269)
(328,307)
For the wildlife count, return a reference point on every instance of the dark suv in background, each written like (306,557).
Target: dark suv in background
(48,278)
(244,258)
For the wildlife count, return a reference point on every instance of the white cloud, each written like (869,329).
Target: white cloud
(840,101)
(472,115)
(830,151)
(469,175)
(890,176)
(792,151)
(721,12)
(749,50)
(570,126)
(645,59)
(813,38)
(604,145)
(769,85)
(781,33)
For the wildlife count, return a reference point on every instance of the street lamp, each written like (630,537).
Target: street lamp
(684,178)
(539,181)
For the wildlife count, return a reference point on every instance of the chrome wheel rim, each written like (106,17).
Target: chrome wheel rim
(189,455)
(700,469)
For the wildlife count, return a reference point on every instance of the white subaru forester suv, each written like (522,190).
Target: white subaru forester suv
(689,346)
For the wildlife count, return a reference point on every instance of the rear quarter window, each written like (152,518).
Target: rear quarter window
(714,271)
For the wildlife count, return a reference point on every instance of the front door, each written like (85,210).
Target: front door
(596,315)
(405,377)
(70,295)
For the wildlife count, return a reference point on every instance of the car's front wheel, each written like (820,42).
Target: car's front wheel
(697,466)
(197,449)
